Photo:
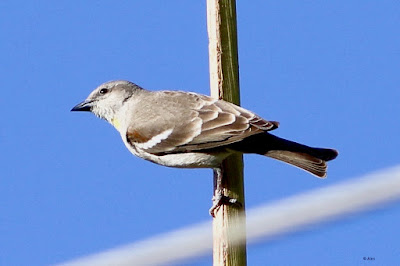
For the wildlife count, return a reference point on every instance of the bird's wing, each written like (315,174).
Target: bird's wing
(194,122)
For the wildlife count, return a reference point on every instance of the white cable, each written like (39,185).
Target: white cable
(262,222)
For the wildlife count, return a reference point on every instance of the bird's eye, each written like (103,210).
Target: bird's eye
(103,91)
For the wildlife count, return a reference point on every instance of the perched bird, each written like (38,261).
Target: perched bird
(190,130)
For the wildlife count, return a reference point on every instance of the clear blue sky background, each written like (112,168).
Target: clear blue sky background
(329,72)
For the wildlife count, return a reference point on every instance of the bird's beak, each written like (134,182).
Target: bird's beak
(83,106)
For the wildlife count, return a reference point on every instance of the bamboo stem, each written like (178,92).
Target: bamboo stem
(224,84)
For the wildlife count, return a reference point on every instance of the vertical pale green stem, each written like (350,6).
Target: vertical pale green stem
(224,83)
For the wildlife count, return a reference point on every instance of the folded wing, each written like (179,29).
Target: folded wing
(197,123)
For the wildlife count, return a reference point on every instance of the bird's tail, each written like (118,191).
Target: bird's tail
(312,160)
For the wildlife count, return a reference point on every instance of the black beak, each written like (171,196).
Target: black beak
(83,106)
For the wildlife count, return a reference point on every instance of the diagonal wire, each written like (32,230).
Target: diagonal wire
(264,222)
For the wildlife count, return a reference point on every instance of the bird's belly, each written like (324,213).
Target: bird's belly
(190,160)
(185,160)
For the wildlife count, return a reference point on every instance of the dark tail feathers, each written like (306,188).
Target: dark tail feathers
(310,159)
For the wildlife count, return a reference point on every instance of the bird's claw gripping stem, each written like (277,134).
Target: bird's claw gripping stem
(220,199)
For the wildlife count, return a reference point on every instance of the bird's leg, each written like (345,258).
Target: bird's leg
(219,198)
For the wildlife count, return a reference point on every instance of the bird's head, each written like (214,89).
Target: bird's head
(107,99)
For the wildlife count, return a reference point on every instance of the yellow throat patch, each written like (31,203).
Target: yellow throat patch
(115,123)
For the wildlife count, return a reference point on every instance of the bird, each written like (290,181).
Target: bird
(190,130)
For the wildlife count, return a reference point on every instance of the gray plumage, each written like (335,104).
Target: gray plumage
(189,130)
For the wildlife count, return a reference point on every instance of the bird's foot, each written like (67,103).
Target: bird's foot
(220,199)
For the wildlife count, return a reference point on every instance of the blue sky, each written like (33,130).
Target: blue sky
(329,72)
